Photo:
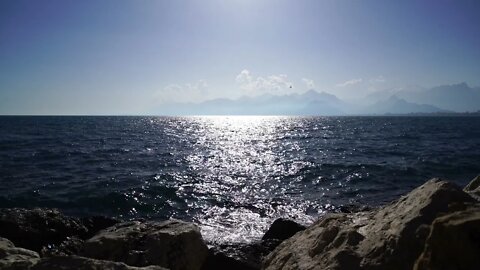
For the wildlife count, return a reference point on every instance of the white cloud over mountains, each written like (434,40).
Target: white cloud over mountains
(250,84)
(309,83)
(379,79)
(358,88)
(350,82)
(258,85)
(188,92)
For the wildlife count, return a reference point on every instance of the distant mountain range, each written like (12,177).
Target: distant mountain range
(396,105)
(410,100)
(456,97)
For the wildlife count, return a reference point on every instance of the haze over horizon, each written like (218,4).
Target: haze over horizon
(131,57)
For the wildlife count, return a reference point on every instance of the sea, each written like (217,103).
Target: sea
(232,175)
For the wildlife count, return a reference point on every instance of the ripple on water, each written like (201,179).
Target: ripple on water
(232,175)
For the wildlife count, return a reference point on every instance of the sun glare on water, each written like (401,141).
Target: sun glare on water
(236,158)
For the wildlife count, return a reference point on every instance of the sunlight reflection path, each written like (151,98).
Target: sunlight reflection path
(237,157)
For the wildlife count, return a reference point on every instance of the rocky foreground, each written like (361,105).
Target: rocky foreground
(436,226)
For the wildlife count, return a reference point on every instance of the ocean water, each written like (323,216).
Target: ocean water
(233,175)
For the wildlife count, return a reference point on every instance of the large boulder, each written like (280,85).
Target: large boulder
(35,228)
(13,258)
(397,232)
(391,237)
(81,263)
(328,244)
(173,244)
(453,243)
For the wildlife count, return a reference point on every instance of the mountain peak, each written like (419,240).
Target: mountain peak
(313,94)
(310,94)
(453,87)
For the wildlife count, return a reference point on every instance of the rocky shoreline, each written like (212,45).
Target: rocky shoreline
(435,226)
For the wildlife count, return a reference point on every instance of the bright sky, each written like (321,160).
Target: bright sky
(127,57)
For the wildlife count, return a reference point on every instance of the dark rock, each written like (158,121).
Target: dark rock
(353,208)
(248,256)
(283,229)
(173,244)
(35,228)
(453,243)
(13,258)
(94,224)
(81,263)
(391,237)
(223,259)
(473,188)
(70,246)
(473,185)
(240,256)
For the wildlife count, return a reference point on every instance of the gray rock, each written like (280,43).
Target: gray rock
(327,244)
(453,243)
(173,244)
(397,232)
(35,228)
(81,263)
(391,237)
(13,258)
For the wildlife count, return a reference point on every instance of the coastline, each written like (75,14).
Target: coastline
(435,226)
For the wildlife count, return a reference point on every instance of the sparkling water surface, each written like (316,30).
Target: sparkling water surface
(233,175)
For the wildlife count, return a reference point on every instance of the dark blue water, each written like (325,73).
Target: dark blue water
(232,175)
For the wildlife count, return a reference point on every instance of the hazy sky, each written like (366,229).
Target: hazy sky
(127,57)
